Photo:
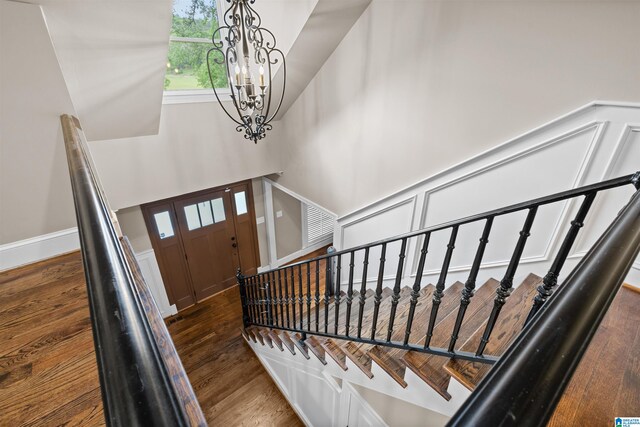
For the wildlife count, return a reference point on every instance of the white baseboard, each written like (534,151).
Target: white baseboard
(37,248)
(297,254)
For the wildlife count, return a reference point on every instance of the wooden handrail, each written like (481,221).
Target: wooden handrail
(142,380)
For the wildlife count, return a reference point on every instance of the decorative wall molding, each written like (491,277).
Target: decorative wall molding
(584,146)
(37,248)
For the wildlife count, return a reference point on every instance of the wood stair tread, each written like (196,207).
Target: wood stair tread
(508,326)
(429,366)
(265,336)
(359,356)
(359,352)
(336,353)
(275,339)
(316,348)
(393,357)
(302,346)
(287,342)
(392,365)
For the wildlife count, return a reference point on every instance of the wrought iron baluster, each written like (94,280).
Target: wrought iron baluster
(292,300)
(437,295)
(317,298)
(254,299)
(396,289)
(363,290)
(265,302)
(470,284)
(337,294)
(286,297)
(551,278)
(378,297)
(269,300)
(275,301)
(349,293)
(260,301)
(506,284)
(282,298)
(300,295)
(327,293)
(308,264)
(415,293)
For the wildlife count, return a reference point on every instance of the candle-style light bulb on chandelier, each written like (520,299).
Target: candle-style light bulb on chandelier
(246,48)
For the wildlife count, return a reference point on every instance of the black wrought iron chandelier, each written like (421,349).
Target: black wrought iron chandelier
(246,50)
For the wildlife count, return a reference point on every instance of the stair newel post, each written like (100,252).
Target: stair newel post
(327,293)
(249,293)
(396,288)
(470,284)
(300,296)
(308,264)
(292,300)
(286,296)
(437,296)
(243,297)
(317,296)
(551,278)
(349,293)
(506,284)
(337,294)
(415,293)
(363,290)
(378,297)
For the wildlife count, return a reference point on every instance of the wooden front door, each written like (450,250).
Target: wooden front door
(208,233)
(216,233)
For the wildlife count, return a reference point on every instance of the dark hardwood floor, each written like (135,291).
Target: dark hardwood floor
(231,385)
(48,372)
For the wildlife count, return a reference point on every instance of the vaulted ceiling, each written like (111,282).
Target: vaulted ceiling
(113,53)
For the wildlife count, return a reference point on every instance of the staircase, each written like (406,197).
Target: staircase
(347,306)
(435,370)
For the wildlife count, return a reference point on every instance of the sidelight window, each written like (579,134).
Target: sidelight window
(241,203)
(163,224)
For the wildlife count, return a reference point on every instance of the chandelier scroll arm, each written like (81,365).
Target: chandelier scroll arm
(215,92)
(284,85)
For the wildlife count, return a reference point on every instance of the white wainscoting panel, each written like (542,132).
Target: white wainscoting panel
(26,251)
(595,142)
(151,273)
(326,395)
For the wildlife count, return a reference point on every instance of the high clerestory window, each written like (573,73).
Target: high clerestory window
(193,23)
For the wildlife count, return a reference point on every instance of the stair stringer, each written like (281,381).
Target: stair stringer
(320,394)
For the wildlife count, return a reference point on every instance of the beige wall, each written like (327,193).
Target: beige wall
(35,192)
(289,225)
(417,86)
(197,148)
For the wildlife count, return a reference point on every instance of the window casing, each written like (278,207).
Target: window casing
(187,77)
